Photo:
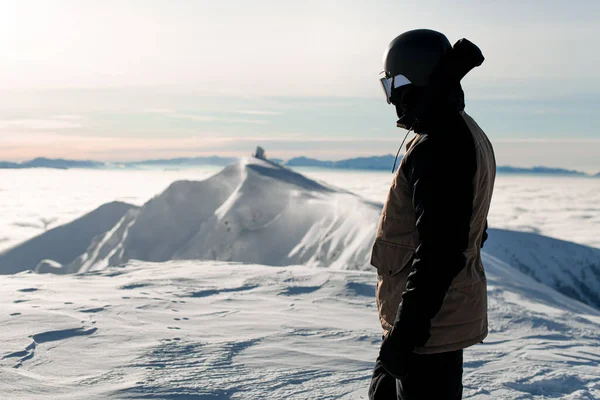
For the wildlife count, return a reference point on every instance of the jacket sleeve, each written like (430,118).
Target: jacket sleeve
(485,234)
(441,175)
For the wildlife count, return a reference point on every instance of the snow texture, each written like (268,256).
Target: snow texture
(204,330)
(172,326)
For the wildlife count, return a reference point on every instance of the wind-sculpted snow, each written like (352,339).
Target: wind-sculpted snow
(252,212)
(209,330)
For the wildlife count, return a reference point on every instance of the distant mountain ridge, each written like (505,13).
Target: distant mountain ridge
(540,170)
(374,163)
(387,161)
(370,163)
(212,160)
(42,162)
(55,163)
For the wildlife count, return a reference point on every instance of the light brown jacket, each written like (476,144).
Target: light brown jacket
(462,319)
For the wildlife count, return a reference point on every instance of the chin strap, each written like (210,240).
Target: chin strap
(402,144)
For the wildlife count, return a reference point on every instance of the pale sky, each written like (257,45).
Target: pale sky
(119,80)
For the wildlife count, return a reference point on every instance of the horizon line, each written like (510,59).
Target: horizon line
(284,161)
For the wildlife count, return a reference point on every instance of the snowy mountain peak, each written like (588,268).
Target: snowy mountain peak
(253,211)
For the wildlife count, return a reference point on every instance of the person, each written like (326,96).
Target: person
(431,286)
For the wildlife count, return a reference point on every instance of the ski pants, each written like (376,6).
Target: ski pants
(431,377)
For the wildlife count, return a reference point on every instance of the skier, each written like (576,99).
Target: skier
(431,287)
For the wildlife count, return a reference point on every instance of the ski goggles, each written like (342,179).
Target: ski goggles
(389,84)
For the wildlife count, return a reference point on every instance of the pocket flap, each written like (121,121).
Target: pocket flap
(391,258)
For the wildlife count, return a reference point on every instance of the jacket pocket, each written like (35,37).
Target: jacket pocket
(398,224)
(391,258)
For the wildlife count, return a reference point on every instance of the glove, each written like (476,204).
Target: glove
(397,350)
(396,353)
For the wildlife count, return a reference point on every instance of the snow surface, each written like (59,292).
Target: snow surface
(190,329)
(204,330)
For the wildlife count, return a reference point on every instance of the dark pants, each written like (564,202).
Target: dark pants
(431,376)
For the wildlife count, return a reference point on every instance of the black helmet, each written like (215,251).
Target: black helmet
(424,58)
(415,54)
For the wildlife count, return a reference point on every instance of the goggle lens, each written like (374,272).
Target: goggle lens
(388,84)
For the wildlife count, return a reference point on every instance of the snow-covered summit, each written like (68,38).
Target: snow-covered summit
(253,211)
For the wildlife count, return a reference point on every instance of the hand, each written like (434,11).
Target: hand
(396,353)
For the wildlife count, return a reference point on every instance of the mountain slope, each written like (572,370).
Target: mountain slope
(572,269)
(252,211)
(64,243)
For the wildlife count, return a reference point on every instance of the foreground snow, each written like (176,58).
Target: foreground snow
(205,330)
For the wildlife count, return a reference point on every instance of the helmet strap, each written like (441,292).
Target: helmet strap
(402,144)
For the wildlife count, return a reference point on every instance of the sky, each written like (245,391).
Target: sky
(139,79)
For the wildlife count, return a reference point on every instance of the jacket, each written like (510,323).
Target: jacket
(431,281)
